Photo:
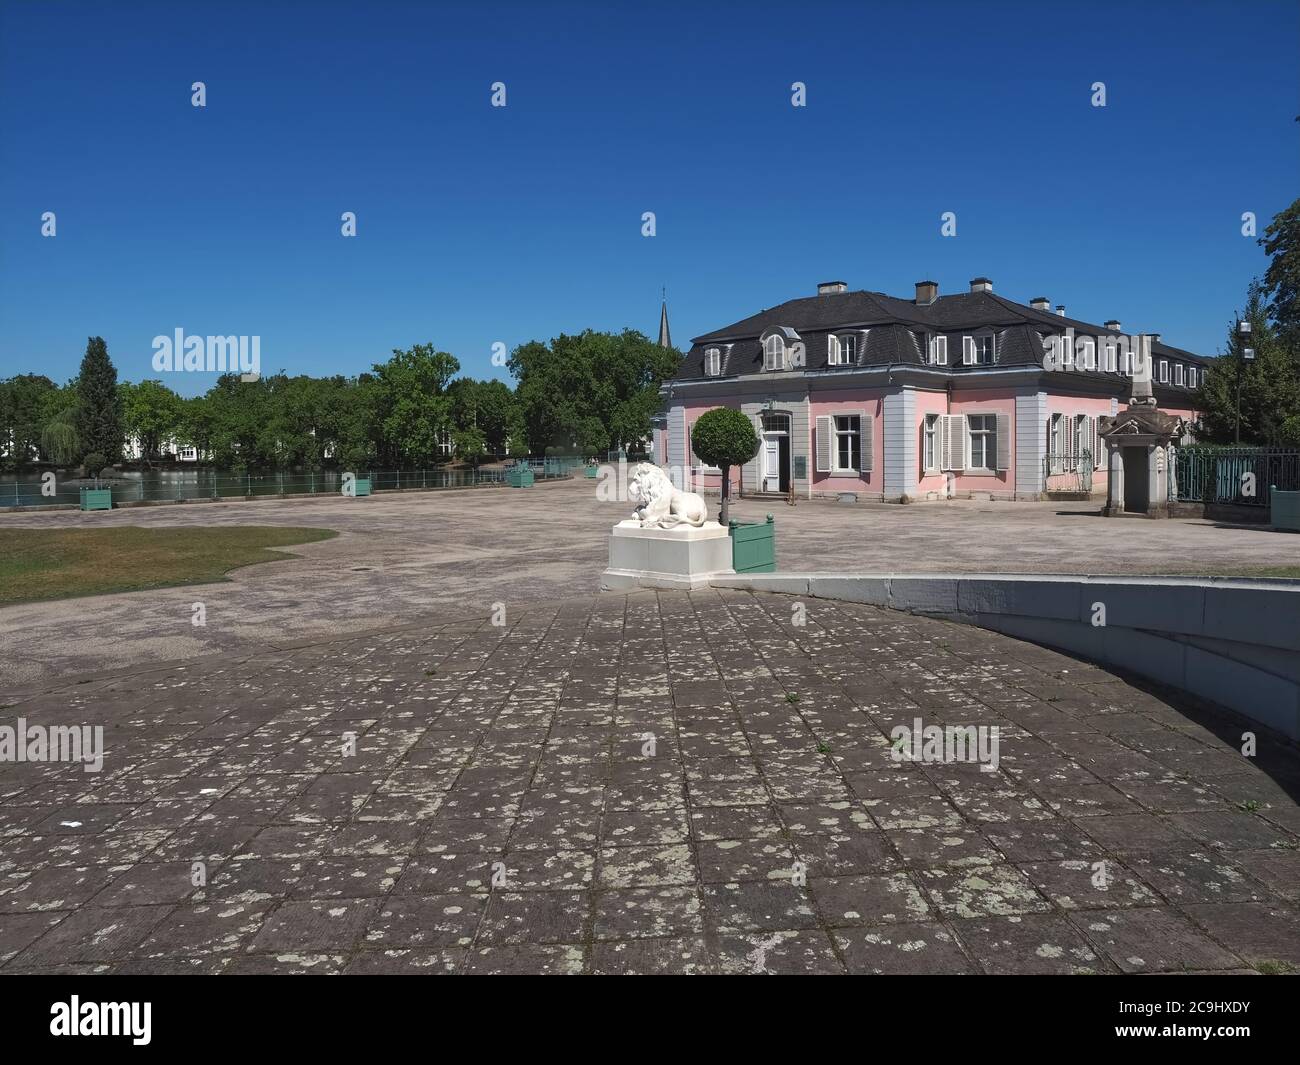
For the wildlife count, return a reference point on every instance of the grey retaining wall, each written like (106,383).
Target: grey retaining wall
(1233,641)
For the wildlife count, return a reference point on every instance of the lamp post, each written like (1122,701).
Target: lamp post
(1245,354)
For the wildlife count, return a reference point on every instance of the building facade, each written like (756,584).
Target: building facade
(929,398)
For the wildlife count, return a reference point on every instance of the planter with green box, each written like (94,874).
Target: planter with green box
(97,499)
(753,546)
(1284,509)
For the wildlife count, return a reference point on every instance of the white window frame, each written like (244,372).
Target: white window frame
(836,355)
(840,433)
(712,362)
(1087,353)
(930,443)
(1056,440)
(988,438)
(971,349)
(1112,359)
(1163,369)
(1067,352)
(774,352)
(1191,376)
(1178,373)
(940,344)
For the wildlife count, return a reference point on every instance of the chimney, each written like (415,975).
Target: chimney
(827,288)
(1112,325)
(981,284)
(926,292)
(1041,303)
(1060,309)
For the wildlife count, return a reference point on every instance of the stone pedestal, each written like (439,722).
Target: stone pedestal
(684,557)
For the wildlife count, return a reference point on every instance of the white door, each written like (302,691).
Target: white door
(771,462)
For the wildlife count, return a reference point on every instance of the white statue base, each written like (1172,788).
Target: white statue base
(684,557)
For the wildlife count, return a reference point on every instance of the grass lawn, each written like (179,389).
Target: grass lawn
(62,563)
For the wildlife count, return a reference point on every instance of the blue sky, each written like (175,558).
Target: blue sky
(479,224)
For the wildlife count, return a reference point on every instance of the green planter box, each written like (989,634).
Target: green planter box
(1285,509)
(97,499)
(753,546)
(362,485)
(519,477)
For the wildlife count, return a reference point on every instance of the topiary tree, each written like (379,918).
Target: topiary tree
(94,462)
(724,437)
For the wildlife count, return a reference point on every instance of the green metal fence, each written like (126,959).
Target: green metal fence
(1240,475)
(161,486)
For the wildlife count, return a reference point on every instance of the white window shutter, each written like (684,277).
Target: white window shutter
(941,350)
(941,428)
(824,435)
(866,441)
(1094,435)
(1004,441)
(967,351)
(956,441)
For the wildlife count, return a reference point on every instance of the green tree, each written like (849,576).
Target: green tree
(411,404)
(1270,385)
(594,391)
(27,403)
(470,445)
(1281,241)
(59,440)
(724,437)
(99,412)
(151,413)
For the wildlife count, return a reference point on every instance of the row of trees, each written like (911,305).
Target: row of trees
(578,394)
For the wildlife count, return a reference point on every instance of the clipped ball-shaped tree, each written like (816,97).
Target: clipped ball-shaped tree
(724,437)
(94,462)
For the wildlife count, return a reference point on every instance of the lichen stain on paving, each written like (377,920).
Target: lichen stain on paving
(464,797)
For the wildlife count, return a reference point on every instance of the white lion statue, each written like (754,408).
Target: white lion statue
(659,504)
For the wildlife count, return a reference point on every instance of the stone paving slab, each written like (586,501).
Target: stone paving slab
(421,556)
(656,782)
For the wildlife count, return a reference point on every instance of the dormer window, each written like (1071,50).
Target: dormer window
(774,353)
(712,362)
(1087,354)
(979,350)
(1163,367)
(777,345)
(842,350)
(1191,377)
(1178,373)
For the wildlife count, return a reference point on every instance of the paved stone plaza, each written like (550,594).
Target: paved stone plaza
(644,777)
(434,555)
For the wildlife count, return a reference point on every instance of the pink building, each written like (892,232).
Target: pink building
(929,398)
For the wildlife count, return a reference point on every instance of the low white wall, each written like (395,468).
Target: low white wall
(1230,640)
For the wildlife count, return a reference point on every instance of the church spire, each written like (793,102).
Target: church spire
(665,339)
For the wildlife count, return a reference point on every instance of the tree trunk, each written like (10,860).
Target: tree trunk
(726,495)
